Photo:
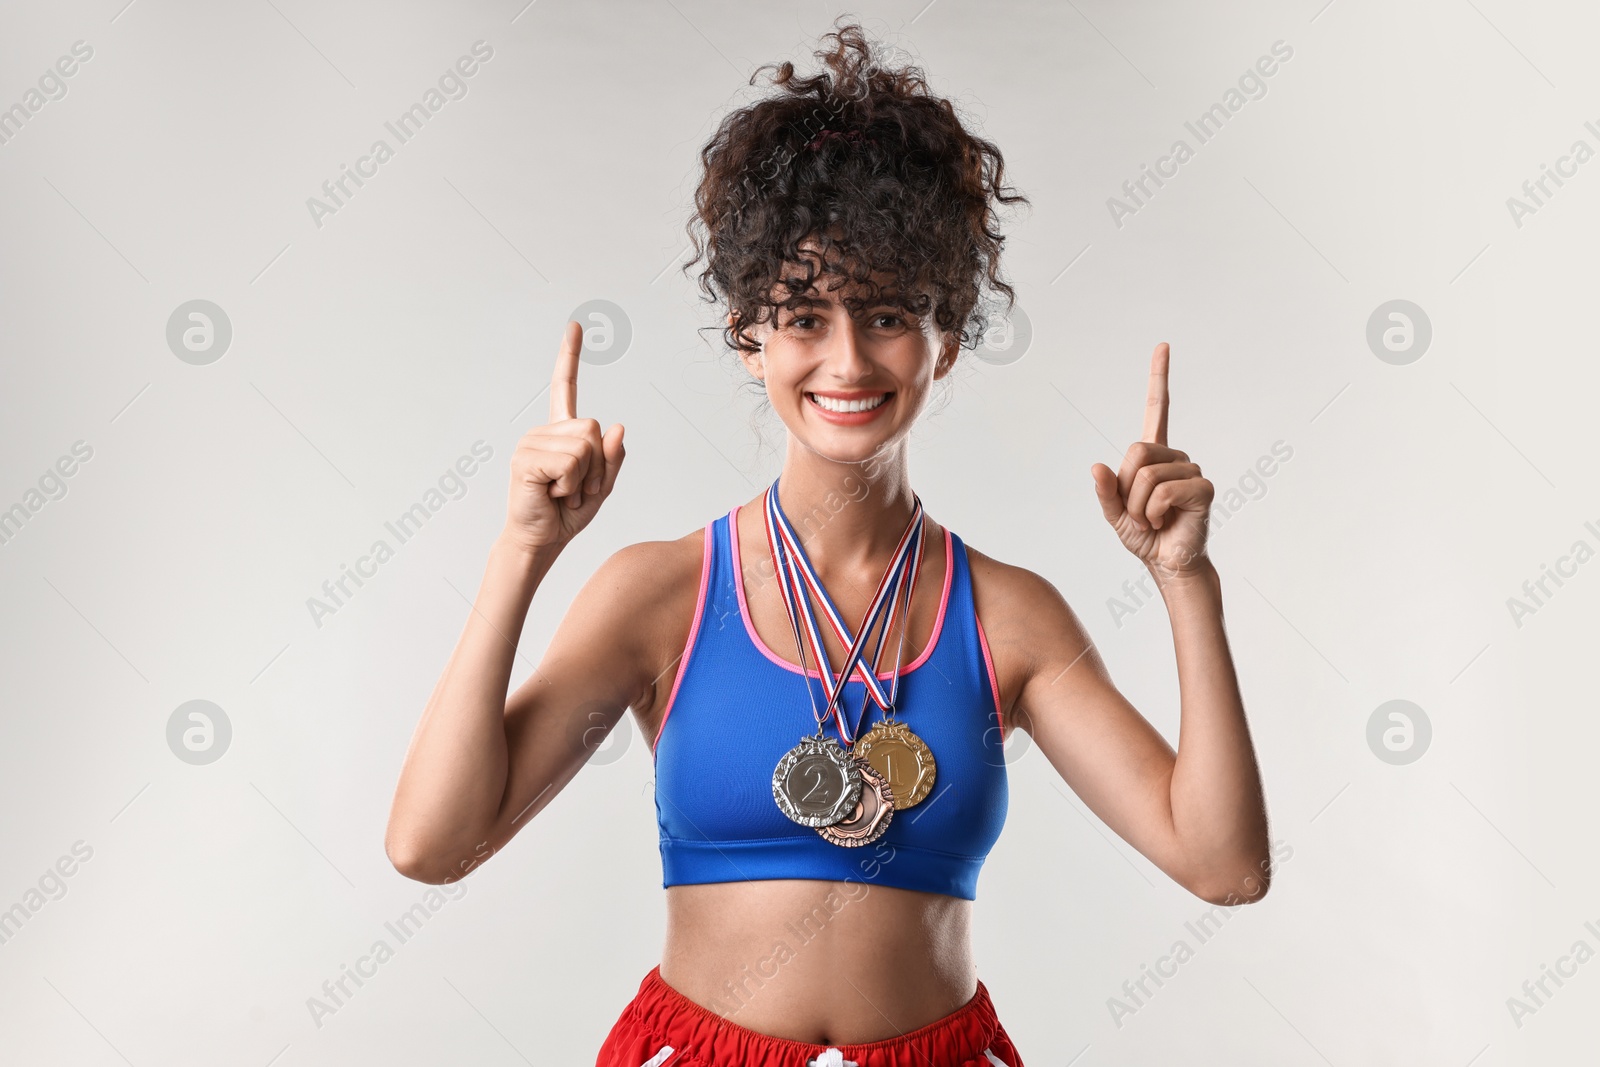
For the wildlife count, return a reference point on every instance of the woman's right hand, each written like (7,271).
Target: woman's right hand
(563,470)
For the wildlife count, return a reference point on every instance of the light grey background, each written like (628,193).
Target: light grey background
(370,352)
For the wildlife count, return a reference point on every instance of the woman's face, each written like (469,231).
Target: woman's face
(848,383)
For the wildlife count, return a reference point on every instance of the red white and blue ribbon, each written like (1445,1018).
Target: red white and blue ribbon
(798,563)
(792,572)
(795,568)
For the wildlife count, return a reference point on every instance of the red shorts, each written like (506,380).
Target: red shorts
(661,1027)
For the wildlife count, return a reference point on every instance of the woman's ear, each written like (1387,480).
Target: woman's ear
(947,355)
(754,362)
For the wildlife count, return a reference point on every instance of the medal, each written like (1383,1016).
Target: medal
(821,783)
(901,757)
(891,749)
(870,818)
(817,782)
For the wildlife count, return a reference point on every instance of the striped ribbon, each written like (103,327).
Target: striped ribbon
(795,568)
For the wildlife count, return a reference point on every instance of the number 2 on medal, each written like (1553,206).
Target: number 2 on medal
(817,774)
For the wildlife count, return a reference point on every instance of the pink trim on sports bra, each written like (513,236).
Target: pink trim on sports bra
(988,664)
(755,638)
(694,628)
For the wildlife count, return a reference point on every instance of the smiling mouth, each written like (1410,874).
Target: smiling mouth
(828,403)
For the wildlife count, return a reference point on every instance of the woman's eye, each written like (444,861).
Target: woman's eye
(884,320)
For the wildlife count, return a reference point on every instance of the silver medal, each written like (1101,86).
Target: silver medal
(816,783)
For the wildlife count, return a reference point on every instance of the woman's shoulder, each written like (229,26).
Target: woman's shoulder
(1005,587)
(659,566)
(1020,608)
(660,583)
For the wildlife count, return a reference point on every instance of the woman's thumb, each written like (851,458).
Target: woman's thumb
(1105,488)
(611,444)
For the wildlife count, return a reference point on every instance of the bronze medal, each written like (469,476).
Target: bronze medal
(900,757)
(870,818)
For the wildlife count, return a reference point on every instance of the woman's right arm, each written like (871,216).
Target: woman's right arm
(478,765)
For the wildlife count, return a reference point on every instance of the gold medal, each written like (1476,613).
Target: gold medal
(871,814)
(902,758)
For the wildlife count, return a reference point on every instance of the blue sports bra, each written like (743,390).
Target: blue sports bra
(736,707)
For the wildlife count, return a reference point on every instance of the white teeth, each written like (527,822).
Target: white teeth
(831,404)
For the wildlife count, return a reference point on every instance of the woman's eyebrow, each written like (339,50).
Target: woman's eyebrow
(891,299)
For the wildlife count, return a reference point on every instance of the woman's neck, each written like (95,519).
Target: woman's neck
(848,516)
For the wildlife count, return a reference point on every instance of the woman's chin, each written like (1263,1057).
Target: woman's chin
(846,447)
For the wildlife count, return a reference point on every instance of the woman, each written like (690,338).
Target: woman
(820,848)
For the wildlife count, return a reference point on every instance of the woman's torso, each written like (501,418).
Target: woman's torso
(831,961)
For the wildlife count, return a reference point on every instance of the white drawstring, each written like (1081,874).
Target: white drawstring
(659,1058)
(831,1057)
(996,1060)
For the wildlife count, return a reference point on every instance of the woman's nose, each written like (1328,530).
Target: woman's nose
(845,352)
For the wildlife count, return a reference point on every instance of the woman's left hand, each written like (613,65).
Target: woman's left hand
(1158,503)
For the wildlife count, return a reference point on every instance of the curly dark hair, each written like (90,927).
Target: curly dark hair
(877,172)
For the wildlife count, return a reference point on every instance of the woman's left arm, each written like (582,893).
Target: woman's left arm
(1218,811)
(1197,813)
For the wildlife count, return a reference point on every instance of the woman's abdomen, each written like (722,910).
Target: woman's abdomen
(816,961)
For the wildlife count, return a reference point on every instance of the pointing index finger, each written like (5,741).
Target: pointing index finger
(1155,402)
(564,379)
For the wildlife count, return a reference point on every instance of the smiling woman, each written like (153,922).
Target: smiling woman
(825,805)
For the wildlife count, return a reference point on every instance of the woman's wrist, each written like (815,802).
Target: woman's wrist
(513,546)
(1197,575)
(512,556)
